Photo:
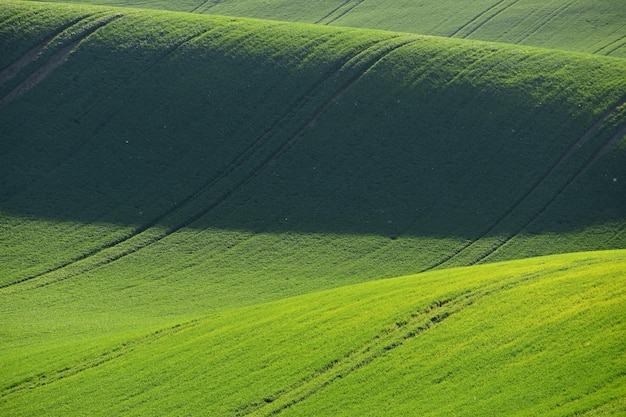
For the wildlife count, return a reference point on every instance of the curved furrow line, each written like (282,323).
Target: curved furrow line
(489,18)
(95,106)
(309,124)
(345,12)
(609,144)
(543,22)
(55,61)
(533,189)
(468,69)
(32,54)
(327,15)
(192,209)
(614,139)
(205,5)
(619,42)
(618,46)
(78,149)
(31,60)
(403,331)
(44,379)
(475,18)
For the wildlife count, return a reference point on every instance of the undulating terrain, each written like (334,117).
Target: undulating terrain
(577,25)
(203,214)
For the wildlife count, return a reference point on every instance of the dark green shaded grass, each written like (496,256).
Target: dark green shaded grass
(213,144)
(538,336)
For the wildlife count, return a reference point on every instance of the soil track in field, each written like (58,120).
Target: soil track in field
(53,63)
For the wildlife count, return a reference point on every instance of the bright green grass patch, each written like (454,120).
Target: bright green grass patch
(579,25)
(540,336)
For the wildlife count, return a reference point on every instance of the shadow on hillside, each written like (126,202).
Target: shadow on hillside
(370,176)
(425,156)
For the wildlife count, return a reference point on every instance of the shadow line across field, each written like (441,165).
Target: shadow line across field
(300,118)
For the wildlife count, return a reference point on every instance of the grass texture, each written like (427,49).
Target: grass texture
(575,25)
(161,145)
(197,214)
(542,336)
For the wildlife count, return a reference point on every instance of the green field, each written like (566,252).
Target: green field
(534,337)
(576,25)
(203,214)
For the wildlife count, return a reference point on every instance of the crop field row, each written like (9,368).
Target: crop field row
(576,25)
(301,354)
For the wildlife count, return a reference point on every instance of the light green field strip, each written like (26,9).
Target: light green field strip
(575,25)
(542,336)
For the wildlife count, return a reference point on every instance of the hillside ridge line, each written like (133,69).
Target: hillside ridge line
(55,61)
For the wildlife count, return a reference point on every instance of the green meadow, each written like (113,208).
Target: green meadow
(576,25)
(209,213)
(543,336)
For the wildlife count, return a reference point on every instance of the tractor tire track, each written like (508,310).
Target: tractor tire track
(31,55)
(205,6)
(185,213)
(26,63)
(404,330)
(78,149)
(614,139)
(621,41)
(297,135)
(247,153)
(327,15)
(96,105)
(619,46)
(585,137)
(490,17)
(54,61)
(535,28)
(44,379)
(343,13)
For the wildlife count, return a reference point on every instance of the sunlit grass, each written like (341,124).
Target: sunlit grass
(524,336)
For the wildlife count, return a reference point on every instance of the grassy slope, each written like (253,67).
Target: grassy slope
(542,336)
(201,165)
(578,25)
(209,146)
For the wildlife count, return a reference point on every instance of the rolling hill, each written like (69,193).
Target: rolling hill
(197,212)
(576,25)
(543,336)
